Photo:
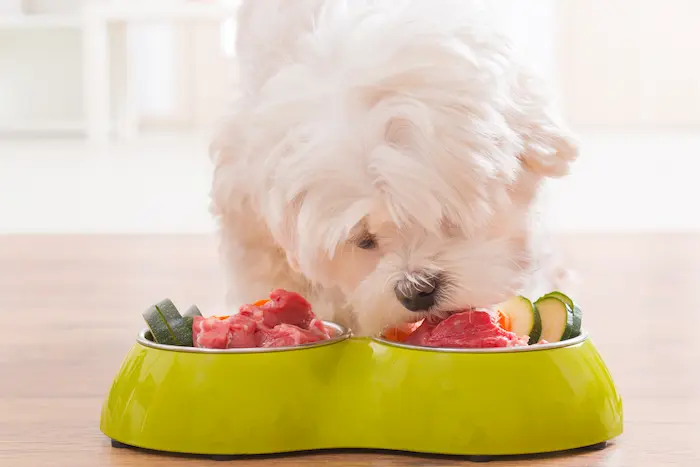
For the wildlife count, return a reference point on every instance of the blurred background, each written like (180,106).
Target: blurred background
(106,110)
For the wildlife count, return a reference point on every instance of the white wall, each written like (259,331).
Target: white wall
(51,6)
(631,62)
(179,71)
(40,70)
(40,76)
(155,59)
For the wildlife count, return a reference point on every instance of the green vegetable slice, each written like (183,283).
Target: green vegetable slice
(166,324)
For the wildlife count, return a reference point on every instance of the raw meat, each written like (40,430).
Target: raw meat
(285,320)
(319,329)
(210,333)
(289,308)
(401,332)
(258,315)
(223,333)
(421,334)
(283,307)
(467,329)
(241,332)
(285,335)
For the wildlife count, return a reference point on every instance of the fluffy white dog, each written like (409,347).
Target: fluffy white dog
(383,159)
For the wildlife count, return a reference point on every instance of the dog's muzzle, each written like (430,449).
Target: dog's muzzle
(417,296)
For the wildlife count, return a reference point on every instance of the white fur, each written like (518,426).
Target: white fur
(411,119)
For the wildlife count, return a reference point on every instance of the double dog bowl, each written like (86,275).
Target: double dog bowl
(364,393)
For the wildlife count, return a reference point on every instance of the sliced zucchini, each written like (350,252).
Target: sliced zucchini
(576,324)
(524,317)
(192,312)
(576,329)
(557,318)
(560,296)
(166,324)
(188,318)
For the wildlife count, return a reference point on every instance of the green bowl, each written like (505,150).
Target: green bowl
(362,393)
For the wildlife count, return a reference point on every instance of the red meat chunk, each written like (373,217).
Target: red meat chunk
(285,335)
(260,316)
(285,320)
(241,332)
(467,329)
(288,308)
(211,333)
(421,334)
(229,333)
(319,329)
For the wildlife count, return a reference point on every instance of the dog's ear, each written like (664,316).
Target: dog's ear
(548,146)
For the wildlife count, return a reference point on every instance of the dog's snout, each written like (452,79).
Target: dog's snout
(416,296)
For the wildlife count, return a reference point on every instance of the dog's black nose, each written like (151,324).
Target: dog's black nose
(416,297)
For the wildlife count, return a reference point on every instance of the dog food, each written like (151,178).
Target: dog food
(285,335)
(401,333)
(285,319)
(224,332)
(282,308)
(468,329)
(166,324)
(516,322)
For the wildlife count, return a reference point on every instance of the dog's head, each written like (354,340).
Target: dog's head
(396,156)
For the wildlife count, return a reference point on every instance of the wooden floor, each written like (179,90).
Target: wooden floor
(70,306)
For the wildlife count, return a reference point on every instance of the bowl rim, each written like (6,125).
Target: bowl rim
(581,338)
(344,333)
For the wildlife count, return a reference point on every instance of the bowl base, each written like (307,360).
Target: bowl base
(470,458)
(480,459)
(484,459)
(118,445)
(224,458)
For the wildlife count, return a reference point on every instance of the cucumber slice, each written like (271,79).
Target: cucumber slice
(188,322)
(188,318)
(560,296)
(557,319)
(192,312)
(578,315)
(524,317)
(576,324)
(166,324)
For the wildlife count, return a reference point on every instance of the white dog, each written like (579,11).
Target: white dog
(383,159)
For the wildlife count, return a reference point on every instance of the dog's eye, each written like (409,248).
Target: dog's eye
(367,242)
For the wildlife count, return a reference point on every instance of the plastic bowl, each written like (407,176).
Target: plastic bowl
(363,393)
